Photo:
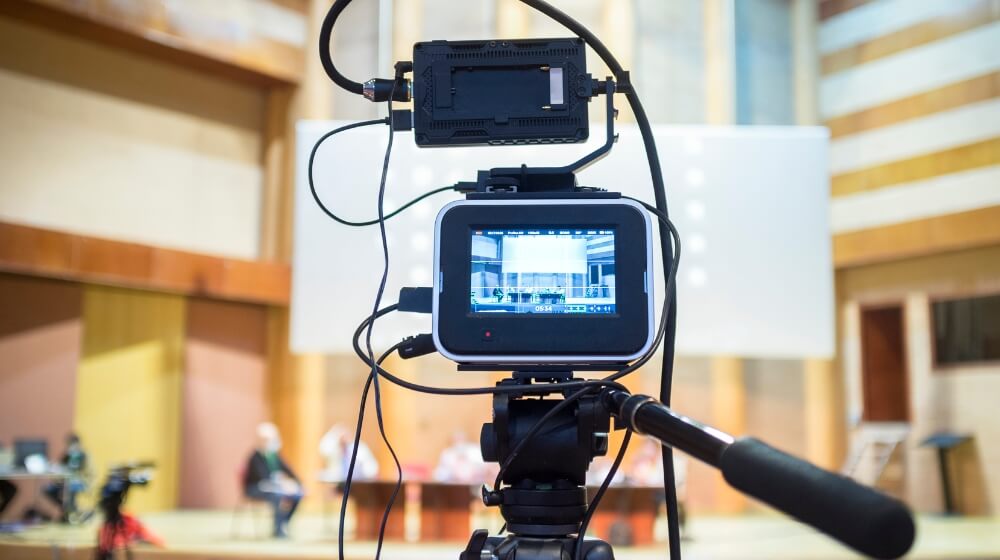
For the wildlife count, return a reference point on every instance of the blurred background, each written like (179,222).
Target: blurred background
(148,170)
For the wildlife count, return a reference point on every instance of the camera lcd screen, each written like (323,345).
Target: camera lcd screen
(548,270)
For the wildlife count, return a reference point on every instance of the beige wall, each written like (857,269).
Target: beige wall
(107,143)
(224,398)
(40,329)
(958,399)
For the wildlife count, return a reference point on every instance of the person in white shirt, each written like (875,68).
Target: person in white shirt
(336,448)
(461,462)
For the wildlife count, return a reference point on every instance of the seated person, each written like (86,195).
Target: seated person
(461,462)
(647,470)
(269,479)
(7,490)
(336,447)
(74,462)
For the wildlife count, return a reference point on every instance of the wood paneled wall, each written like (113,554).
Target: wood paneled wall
(960,399)
(40,330)
(260,41)
(116,145)
(128,397)
(910,93)
(48,253)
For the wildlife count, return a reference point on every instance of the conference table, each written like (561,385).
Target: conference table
(36,478)
(445,509)
(370,498)
(627,514)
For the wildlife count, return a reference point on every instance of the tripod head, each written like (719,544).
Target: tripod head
(544,493)
(545,445)
(543,470)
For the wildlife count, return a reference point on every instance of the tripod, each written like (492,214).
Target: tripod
(544,501)
(544,447)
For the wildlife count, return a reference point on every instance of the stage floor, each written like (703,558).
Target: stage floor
(200,535)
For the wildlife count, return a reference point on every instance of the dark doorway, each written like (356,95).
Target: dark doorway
(883,365)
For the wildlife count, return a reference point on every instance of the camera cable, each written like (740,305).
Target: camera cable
(660,197)
(354,457)
(330,213)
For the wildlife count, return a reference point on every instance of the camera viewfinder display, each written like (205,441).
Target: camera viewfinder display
(550,270)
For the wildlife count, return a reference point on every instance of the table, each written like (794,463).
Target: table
(370,499)
(550,298)
(944,442)
(15,475)
(634,507)
(445,511)
(21,474)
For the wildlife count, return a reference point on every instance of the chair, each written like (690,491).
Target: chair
(247,506)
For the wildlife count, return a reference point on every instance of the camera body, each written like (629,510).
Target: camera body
(543,280)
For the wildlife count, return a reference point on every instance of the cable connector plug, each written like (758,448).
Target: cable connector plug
(416,346)
(401,120)
(416,300)
(378,89)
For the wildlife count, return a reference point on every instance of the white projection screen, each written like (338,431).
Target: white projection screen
(751,204)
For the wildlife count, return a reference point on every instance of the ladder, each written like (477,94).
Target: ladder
(872,446)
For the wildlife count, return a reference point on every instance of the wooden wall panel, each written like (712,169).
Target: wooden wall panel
(128,399)
(910,93)
(831,8)
(40,330)
(41,252)
(961,399)
(111,144)
(980,13)
(918,168)
(976,228)
(925,103)
(189,36)
(224,398)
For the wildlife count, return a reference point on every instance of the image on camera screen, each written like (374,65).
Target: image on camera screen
(552,270)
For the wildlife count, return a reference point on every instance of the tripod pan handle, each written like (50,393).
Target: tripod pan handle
(868,521)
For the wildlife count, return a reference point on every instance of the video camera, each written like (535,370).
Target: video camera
(537,274)
(119,480)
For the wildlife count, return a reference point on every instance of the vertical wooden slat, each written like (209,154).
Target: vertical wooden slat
(805,54)
(720,63)
(824,424)
(276,142)
(729,410)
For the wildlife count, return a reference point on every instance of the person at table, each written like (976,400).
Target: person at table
(461,462)
(268,478)
(74,464)
(336,447)
(7,490)
(647,470)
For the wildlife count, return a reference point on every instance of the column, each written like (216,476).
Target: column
(720,64)
(729,406)
(824,427)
